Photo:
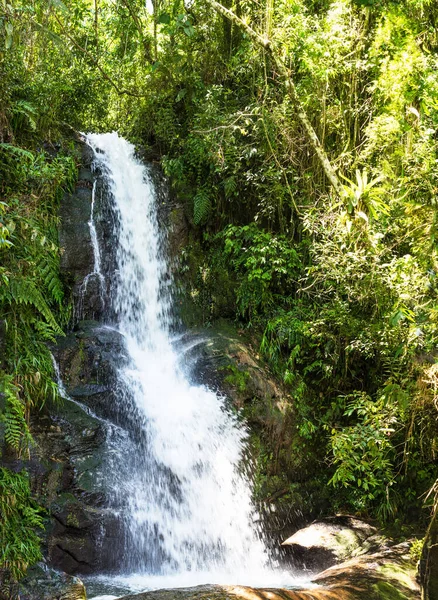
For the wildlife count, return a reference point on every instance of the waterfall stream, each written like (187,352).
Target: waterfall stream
(187,512)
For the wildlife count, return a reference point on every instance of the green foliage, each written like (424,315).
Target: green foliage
(13,417)
(237,378)
(362,452)
(268,266)
(21,520)
(201,207)
(33,308)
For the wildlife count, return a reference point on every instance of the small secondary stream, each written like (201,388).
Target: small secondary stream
(188,517)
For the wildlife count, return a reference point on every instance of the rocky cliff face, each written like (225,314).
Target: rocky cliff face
(74,437)
(71,436)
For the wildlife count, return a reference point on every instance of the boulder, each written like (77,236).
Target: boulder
(389,574)
(42,583)
(386,575)
(70,448)
(333,540)
(222,358)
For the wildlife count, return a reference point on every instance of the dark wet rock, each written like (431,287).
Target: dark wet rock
(42,583)
(224,360)
(74,235)
(88,360)
(333,540)
(178,230)
(70,451)
(75,452)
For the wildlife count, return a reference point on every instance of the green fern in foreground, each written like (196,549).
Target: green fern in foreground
(21,519)
(23,290)
(201,207)
(13,416)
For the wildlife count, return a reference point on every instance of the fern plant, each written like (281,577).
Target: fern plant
(23,290)
(32,306)
(16,429)
(201,206)
(21,519)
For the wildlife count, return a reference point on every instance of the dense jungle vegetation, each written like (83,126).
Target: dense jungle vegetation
(301,136)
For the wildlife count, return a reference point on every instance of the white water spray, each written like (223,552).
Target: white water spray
(189,516)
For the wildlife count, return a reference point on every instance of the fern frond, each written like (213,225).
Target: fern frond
(16,432)
(46,331)
(17,151)
(230,186)
(201,207)
(24,291)
(27,110)
(49,269)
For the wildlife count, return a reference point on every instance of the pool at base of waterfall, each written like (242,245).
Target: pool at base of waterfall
(106,587)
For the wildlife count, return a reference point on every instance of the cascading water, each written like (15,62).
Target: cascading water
(187,510)
(96,275)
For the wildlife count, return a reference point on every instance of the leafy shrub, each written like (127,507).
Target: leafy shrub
(21,519)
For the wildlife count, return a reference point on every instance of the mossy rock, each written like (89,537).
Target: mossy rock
(386,575)
(42,583)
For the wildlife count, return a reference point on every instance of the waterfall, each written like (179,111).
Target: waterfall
(187,510)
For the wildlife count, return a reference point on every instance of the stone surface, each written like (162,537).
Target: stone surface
(42,583)
(325,543)
(72,452)
(88,360)
(226,361)
(388,575)
(69,441)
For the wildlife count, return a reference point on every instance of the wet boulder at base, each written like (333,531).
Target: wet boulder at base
(386,575)
(332,540)
(389,574)
(42,583)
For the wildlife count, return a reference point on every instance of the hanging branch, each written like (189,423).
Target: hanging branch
(265,43)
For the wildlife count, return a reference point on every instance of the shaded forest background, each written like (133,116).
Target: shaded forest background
(337,283)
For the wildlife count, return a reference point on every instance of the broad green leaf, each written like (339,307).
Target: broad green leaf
(164,19)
